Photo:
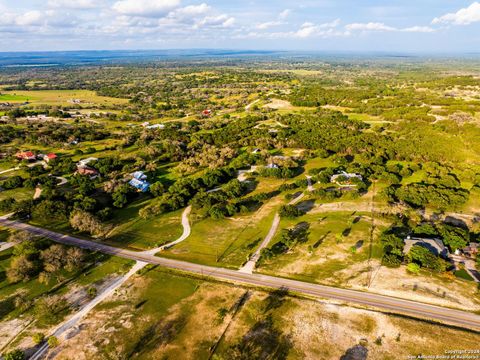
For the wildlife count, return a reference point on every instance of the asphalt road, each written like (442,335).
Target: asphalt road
(382,302)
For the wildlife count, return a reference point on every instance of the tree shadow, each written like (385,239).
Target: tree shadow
(306,205)
(346,232)
(275,299)
(321,240)
(359,244)
(455,222)
(7,306)
(263,341)
(157,335)
(357,352)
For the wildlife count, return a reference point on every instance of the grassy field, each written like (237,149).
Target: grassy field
(143,234)
(18,194)
(337,240)
(59,97)
(226,242)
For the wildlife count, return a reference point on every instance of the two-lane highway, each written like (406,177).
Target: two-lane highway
(382,302)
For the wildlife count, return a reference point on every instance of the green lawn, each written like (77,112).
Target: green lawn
(13,97)
(59,97)
(463,274)
(225,242)
(143,234)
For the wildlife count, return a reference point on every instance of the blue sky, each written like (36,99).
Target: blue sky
(441,26)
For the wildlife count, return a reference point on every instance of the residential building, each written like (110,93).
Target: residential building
(471,250)
(140,185)
(86,161)
(25,155)
(139,175)
(345,177)
(49,157)
(88,171)
(435,246)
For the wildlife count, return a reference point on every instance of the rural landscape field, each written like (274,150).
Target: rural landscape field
(239,204)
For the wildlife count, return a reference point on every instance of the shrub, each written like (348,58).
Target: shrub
(413,268)
(38,338)
(53,341)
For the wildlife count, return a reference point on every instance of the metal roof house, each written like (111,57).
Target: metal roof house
(140,185)
(435,246)
(139,175)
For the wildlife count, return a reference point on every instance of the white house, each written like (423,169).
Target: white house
(344,175)
(85,162)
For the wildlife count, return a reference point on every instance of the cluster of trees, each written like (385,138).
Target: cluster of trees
(183,190)
(424,258)
(290,211)
(455,237)
(421,195)
(33,257)
(222,202)
(86,222)
(208,156)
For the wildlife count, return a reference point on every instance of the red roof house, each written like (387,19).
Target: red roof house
(25,155)
(49,157)
(207,112)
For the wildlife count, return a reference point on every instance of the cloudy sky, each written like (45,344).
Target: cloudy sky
(347,25)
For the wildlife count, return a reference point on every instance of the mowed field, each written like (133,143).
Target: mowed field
(59,97)
(225,242)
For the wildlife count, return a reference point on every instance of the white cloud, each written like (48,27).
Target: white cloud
(284,14)
(419,29)
(145,8)
(189,11)
(30,18)
(309,29)
(223,20)
(381,27)
(268,24)
(464,16)
(371,26)
(76,4)
(306,30)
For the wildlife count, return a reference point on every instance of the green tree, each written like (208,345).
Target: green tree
(16,354)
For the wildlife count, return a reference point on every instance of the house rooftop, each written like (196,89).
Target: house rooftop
(435,246)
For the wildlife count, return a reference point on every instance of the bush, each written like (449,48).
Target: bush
(13,182)
(16,354)
(290,211)
(413,268)
(53,341)
(38,338)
